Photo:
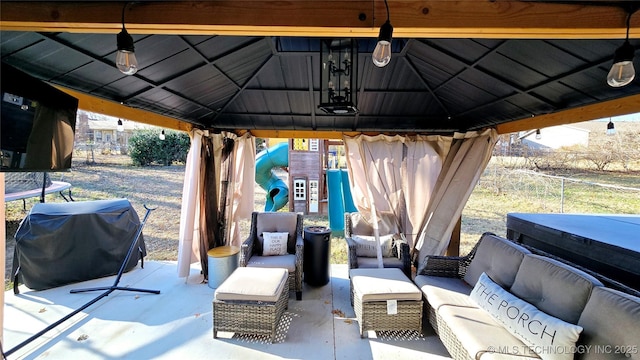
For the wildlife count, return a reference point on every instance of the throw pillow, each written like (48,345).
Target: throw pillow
(366,245)
(275,243)
(550,337)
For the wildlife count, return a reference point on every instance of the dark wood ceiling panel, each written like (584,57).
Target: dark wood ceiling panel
(121,89)
(13,41)
(468,50)
(170,67)
(47,60)
(510,71)
(215,47)
(91,76)
(397,76)
(302,102)
(205,85)
(102,45)
(460,96)
(481,84)
(243,63)
(294,71)
(271,76)
(541,56)
(432,73)
(590,50)
(153,49)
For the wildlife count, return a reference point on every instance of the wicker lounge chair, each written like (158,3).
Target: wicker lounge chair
(251,253)
(355,224)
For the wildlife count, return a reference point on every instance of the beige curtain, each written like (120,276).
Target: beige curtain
(243,190)
(465,161)
(394,174)
(216,194)
(188,249)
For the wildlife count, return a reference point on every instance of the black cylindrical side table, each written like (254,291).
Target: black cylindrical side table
(317,250)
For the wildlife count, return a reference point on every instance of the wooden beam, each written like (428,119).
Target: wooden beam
(3,242)
(106,107)
(330,18)
(623,106)
(299,134)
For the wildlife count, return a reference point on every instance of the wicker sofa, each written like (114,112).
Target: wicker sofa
(454,290)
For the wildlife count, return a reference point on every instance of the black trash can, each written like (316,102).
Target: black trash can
(317,252)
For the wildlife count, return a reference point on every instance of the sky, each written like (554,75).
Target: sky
(630,117)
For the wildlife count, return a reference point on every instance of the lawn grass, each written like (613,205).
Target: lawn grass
(502,189)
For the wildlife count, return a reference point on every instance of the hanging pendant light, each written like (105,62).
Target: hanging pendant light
(125,56)
(611,129)
(338,76)
(622,72)
(120,127)
(382,53)
(161,136)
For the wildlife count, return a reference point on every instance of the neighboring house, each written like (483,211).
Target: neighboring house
(102,131)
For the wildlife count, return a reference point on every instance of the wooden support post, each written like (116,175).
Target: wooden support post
(454,243)
(2,255)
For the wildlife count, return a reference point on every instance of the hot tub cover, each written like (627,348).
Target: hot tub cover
(62,243)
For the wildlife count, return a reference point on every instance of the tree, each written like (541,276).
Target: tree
(147,148)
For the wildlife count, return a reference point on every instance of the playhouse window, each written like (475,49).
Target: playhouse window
(314,144)
(299,189)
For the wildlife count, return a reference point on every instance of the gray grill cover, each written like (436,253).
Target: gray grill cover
(62,243)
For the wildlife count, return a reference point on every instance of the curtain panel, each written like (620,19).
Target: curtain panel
(216,192)
(466,159)
(394,174)
(424,181)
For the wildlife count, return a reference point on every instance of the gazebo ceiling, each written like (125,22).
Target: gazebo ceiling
(240,65)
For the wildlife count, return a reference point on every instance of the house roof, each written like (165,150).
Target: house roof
(256,65)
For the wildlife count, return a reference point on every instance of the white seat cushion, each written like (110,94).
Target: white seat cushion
(253,284)
(480,334)
(441,291)
(383,284)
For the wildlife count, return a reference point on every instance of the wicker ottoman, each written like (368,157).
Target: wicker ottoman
(385,299)
(251,301)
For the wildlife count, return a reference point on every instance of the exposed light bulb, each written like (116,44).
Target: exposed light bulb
(382,53)
(538,135)
(611,129)
(622,72)
(125,56)
(120,127)
(161,136)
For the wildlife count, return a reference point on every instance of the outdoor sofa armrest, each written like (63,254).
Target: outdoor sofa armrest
(352,256)
(299,250)
(444,266)
(246,250)
(403,254)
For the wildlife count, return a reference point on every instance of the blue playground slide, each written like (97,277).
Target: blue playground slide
(277,191)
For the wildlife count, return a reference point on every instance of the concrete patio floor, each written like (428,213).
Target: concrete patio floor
(177,324)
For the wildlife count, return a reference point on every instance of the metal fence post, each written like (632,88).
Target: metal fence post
(561,195)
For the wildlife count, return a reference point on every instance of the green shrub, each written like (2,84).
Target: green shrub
(146,148)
